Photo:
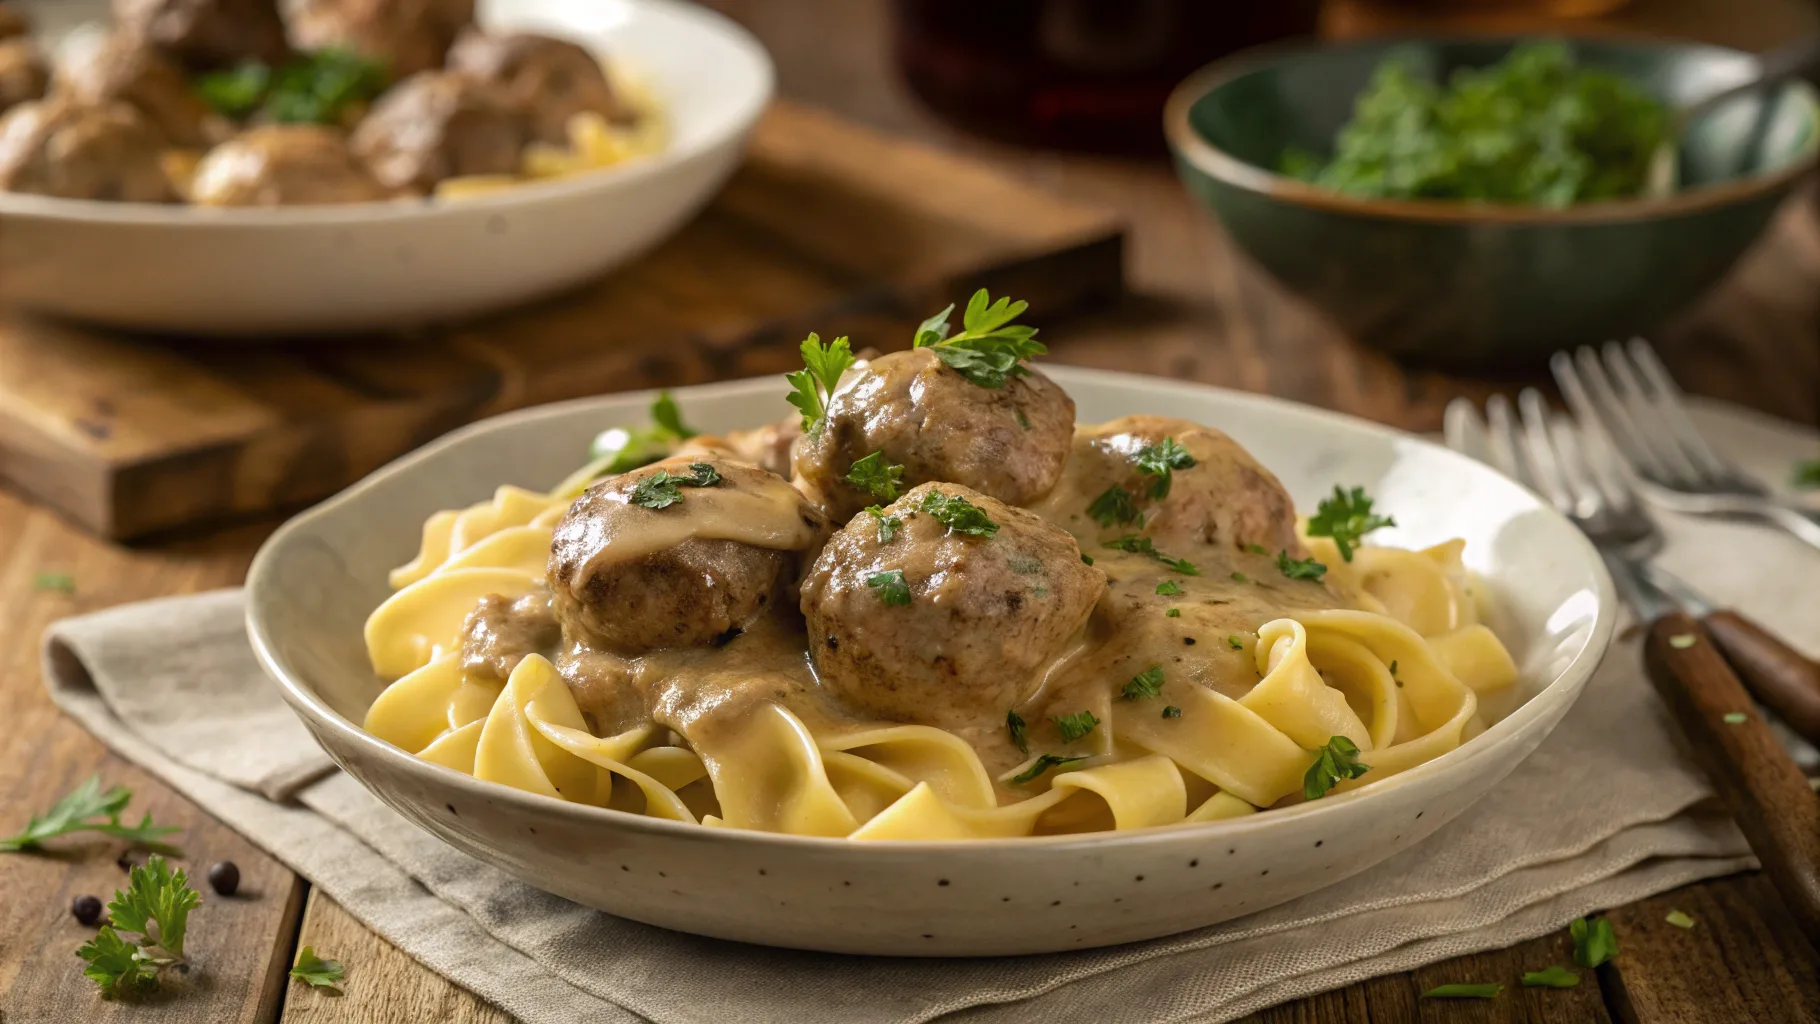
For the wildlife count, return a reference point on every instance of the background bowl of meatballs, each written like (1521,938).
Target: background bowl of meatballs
(295,167)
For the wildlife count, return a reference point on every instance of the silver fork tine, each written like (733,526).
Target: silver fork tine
(1501,441)
(1672,407)
(1655,431)
(1599,403)
(1464,431)
(1550,480)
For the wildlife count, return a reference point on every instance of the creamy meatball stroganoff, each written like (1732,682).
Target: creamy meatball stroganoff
(931,605)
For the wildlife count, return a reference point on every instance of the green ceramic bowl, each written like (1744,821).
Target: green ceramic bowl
(1468,283)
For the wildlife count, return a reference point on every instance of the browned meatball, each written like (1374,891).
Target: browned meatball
(978,620)
(436,125)
(499,633)
(128,70)
(23,73)
(13,21)
(551,80)
(1218,494)
(283,165)
(59,148)
(1007,442)
(408,36)
(670,555)
(207,33)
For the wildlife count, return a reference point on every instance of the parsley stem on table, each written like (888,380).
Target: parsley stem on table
(89,809)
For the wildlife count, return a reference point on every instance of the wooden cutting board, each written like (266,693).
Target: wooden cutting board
(828,227)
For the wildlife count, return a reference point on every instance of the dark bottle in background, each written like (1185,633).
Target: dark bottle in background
(1075,74)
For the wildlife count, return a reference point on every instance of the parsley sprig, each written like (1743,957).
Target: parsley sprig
(814,384)
(1020,733)
(1145,546)
(887,525)
(1336,761)
(1075,726)
(661,490)
(876,477)
(155,906)
(621,450)
(1148,683)
(1346,517)
(1161,460)
(990,349)
(318,972)
(890,586)
(88,809)
(1115,507)
(1043,764)
(958,514)
(1486,990)
(1300,568)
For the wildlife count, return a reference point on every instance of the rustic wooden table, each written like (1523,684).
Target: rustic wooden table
(1197,313)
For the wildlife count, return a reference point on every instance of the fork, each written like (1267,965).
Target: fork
(1767,793)
(1627,392)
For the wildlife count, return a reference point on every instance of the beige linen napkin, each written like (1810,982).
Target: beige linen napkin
(1607,811)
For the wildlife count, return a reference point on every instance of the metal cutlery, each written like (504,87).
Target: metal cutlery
(1626,391)
(1764,789)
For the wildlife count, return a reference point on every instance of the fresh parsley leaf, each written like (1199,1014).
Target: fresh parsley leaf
(887,525)
(235,92)
(890,586)
(625,450)
(1172,712)
(1488,990)
(661,490)
(1300,568)
(1086,559)
(1144,546)
(1235,642)
(1257,549)
(115,964)
(1594,942)
(1075,726)
(78,812)
(877,477)
(1172,613)
(1161,460)
(1679,919)
(1239,577)
(1338,760)
(318,972)
(701,474)
(1168,588)
(1148,683)
(958,514)
(1807,475)
(314,88)
(1020,734)
(1043,764)
(1554,976)
(668,416)
(1115,506)
(56,582)
(1346,517)
(814,384)
(990,349)
(156,904)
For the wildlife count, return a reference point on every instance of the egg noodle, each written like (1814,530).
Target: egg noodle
(1398,675)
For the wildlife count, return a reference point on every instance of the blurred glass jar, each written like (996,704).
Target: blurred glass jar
(1074,74)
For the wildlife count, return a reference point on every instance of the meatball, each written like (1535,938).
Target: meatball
(550,80)
(207,33)
(13,21)
(127,70)
(436,125)
(1216,492)
(500,632)
(23,73)
(64,149)
(408,36)
(283,165)
(976,620)
(681,553)
(1008,442)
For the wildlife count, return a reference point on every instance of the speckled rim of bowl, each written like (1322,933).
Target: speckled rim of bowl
(1191,146)
(1573,677)
(528,193)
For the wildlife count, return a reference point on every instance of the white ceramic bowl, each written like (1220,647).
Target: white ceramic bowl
(332,269)
(314,582)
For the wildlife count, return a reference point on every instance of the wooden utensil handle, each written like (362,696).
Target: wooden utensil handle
(1777,810)
(1778,675)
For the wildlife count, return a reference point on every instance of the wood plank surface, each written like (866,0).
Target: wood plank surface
(383,986)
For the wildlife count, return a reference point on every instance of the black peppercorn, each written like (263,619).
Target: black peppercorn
(224,877)
(86,908)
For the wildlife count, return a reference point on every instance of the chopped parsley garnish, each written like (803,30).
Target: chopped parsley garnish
(1554,976)
(1020,734)
(1300,568)
(55,582)
(1172,613)
(990,349)
(701,474)
(1594,942)
(1679,919)
(1086,559)
(625,450)
(1338,760)
(1148,683)
(661,490)
(877,477)
(155,906)
(1347,518)
(1239,577)
(1075,726)
(1488,990)
(1143,546)
(313,88)
(88,809)
(318,972)
(1257,549)
(1807,475)
(887,525)
(958,514)
(1161,460)
(890,586)
(1043,764)
(1023,420)
(1115,507)
(814,384)
(1235,642)
(1168,588)
(1393,668)
(1172,712)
